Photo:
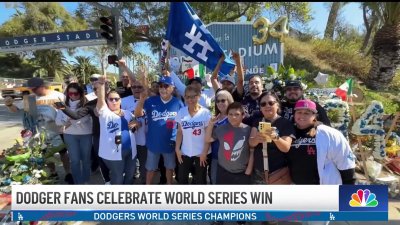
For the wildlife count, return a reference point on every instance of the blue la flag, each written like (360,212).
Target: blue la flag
(187,33)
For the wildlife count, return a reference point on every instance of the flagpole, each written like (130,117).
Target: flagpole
(360,146)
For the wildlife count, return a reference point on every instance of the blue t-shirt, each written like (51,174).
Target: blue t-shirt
(125,136)
(161,123)
(215,144)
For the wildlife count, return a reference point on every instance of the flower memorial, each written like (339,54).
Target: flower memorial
(25,162)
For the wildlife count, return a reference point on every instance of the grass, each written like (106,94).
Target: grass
(341,60)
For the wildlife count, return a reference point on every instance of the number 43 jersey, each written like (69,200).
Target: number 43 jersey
(193,130)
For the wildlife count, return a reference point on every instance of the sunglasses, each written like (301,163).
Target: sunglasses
(136,87)
(114,99)
(94,79)
(270,103)
(163,86)
(73,93)
(221,101)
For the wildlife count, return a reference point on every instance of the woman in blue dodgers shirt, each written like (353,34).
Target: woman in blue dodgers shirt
(117,142)
(319,154)
(160,112)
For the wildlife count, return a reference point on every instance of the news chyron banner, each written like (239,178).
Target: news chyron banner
(200,203)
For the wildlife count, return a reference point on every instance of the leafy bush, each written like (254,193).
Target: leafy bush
(344,56)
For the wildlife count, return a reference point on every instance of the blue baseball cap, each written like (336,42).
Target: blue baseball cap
(228,78)
(166,80)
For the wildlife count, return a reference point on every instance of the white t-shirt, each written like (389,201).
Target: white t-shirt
(193,130)
(129,103)
(110,124)
(46,113)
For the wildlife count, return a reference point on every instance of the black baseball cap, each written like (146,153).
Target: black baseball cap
(293,83)
(36,82)
(197,79)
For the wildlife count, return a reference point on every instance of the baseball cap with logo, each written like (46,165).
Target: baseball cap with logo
(306,104)
(166,80)
(228,78)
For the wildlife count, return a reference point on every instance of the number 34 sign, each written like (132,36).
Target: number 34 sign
(270,29)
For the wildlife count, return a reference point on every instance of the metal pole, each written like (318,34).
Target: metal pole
(116,12)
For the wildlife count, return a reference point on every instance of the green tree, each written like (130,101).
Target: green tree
(332,19)
(33,18)
(385,46)
(51,61)
(83,68)
(155,15)
(298,13)
(14,66)
(371,23)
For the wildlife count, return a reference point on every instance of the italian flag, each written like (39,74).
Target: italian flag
(345,89)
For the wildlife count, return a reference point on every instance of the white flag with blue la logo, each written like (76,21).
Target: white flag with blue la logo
(187,33)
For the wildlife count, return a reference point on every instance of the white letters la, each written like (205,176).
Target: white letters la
(195,39)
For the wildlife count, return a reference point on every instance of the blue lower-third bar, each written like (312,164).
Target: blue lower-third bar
(248,215)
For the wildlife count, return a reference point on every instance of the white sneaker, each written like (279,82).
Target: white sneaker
(107,183)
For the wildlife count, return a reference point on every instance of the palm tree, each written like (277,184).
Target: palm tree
(83,68)
(51,61)
(332,19)
(386,46)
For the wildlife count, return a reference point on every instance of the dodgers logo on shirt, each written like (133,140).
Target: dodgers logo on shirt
(303,141)
(156,115)
(193,124)
(112,127)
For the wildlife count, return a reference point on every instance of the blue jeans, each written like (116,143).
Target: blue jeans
(214,168)
(79,151)
(153,159)
(122,171)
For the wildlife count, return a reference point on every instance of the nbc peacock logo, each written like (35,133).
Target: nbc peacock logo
(363,198)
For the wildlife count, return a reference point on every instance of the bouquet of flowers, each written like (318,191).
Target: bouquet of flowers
(24,163)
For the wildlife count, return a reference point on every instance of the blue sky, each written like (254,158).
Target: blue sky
(351,13)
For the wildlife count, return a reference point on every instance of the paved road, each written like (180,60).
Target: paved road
(10,126)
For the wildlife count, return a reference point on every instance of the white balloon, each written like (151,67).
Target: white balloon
(321,78)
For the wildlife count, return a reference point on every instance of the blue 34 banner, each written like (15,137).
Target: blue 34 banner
(187,32)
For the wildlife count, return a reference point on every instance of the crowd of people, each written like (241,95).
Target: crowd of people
(181,129)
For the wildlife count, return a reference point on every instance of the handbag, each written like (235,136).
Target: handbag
(280,176)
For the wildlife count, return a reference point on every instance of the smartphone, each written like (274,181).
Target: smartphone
(59,105)
(112,60)
(263,127)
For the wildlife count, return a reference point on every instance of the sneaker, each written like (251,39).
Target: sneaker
(107,183)
(69,179)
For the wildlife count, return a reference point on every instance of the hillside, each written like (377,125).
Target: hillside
(341,61)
